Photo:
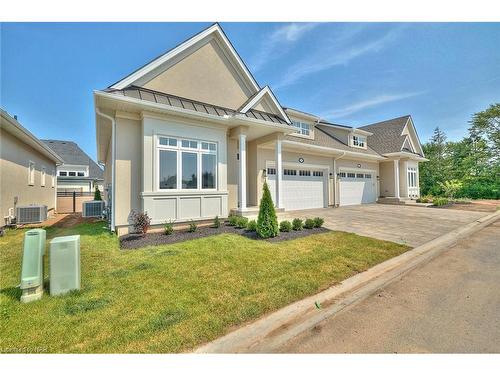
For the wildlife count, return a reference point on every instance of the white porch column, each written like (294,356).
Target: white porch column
(279,174)
(242,180)
(407,182)
(396,178)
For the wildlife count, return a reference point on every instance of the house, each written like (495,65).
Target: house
(192,135)
(78,172)
(27,169)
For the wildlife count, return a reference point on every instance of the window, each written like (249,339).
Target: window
(31,173)
(368,176)
(360,175)
(186,164)
(351,175)
(342,174)
(318,173)
(63,173)
(412,177)
(304,173)
(358,141)
(42,182)
(208,168)
(302,127)
(72,174)
(81,174)
(168,169)
(271,171)
(289,172)
(189,170)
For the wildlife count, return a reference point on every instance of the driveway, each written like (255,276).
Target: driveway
(449,305)
(411,225)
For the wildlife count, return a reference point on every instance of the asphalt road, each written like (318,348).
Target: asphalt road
(449,305)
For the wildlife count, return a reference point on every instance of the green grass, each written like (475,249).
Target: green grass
(172,298)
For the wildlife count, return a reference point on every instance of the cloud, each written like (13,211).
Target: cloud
(338,52)
(369,103)
(274,44)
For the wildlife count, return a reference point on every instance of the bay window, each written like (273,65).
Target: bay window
(195,162)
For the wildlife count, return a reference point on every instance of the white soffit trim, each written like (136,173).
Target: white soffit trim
(215,31)
(417,146)
(333,150)
(266,91)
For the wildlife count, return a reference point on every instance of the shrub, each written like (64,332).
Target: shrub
(285,226)
(318,222)
(440,202)
(97,194)
(309,224)
(192,227)
(252,226)
(267,222)
(241,222)
(451,188)
(216,222)
(232,220)
(297,224)
(141,222)
(169,227)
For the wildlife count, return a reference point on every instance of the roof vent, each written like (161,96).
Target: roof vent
(15,117)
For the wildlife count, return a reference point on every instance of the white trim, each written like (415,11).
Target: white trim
(242,172)
(43,173)
(406,132)
(216,31)
(348,169)
(396,178)
(31,173)
(258,97)
(408,155)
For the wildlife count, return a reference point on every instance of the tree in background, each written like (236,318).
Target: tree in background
(97,194)
(466,168)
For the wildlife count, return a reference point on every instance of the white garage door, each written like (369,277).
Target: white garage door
(357,188)
(302,188)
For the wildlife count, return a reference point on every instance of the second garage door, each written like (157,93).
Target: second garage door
(302,188)
(357,188)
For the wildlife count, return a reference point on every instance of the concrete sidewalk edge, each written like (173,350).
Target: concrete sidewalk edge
(271,331)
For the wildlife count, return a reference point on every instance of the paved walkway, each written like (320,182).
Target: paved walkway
(450,305)
(403,224)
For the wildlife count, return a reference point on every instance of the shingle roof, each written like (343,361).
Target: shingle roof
(387,136)
(192,105)
(71,153)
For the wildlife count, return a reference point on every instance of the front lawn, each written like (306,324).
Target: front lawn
(172,298)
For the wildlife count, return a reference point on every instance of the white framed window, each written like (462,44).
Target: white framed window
(31,173)
(186,164)
(342,174)
(289,172)
(351,175)
(412,177)
(318,173)
(302,128)
(360,175)
(305,173)
(271,171)
(43,172)
(80,174)
(63,173)
(368,175)
(359,141)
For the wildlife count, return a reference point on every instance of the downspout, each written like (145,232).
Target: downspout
(113,172)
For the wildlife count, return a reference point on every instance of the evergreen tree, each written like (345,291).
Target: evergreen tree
(267,222)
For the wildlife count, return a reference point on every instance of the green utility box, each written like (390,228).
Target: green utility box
(32,268)
(64,264)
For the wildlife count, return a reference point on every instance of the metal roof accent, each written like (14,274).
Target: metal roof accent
(192,105)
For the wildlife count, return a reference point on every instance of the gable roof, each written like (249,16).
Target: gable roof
(72,154)
(387,135)
(326,129)
(12,126)
(213,31)
(265,92)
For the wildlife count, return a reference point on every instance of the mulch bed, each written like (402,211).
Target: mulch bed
(135,241)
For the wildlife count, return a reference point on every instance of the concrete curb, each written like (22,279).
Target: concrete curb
(270,332)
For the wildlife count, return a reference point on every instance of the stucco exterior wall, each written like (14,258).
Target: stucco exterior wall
(14,160)
(387,179)
(128,169)
(205,75)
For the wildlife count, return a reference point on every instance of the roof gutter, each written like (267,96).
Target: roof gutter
(113,158)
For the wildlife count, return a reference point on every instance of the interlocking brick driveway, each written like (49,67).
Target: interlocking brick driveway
(411,225)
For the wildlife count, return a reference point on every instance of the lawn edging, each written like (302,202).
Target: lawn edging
(270,332)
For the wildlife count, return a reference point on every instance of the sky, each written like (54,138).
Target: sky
(348,73)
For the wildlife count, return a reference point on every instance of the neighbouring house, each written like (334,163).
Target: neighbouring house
(27,169)
(191,135)
(77,177)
